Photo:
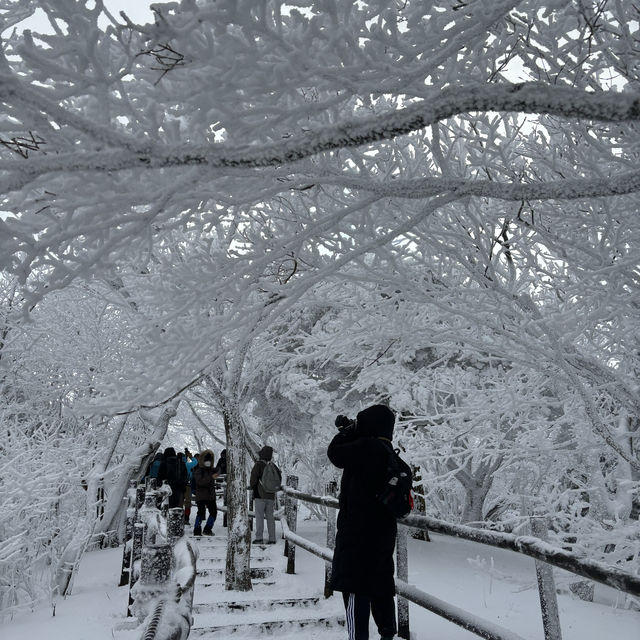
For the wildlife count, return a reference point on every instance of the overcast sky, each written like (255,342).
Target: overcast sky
(137,10)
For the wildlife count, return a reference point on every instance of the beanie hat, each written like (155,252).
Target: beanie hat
(266,453)
(377,421)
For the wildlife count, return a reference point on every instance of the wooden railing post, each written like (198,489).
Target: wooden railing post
(155,573)
(546,586)
(130,507)
(155,564)
(175,524)
(140,490)
(402,562)
(223,481)
(291,513)
(136,554)
(163,497)
(331,489)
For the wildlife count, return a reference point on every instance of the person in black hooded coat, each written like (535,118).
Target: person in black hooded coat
(363,564)
(173,470)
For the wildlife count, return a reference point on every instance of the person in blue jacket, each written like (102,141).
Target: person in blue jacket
(154,467)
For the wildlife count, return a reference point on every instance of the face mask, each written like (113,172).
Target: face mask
(207,464)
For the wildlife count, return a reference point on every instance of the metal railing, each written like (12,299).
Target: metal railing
(534,546)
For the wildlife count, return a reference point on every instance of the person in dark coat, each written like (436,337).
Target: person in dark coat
(363,565)
(173,470)
(204,483)
(221,467)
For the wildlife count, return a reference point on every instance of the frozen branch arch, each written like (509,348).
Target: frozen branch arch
(529,98)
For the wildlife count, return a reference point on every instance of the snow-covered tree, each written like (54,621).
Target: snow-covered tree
(474,159)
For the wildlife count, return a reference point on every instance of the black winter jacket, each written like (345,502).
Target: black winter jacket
(366,533)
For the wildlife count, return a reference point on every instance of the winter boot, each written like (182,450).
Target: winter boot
(208,526)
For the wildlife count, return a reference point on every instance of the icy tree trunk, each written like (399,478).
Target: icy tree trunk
(420,506)
(238,572)
(477,483)
(475,494)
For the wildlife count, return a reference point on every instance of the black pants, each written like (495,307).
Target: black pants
(204,505)
(358,606)
(176,498)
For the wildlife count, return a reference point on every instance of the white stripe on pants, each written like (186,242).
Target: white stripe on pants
(351,619)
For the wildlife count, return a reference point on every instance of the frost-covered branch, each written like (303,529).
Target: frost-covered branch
(522,98)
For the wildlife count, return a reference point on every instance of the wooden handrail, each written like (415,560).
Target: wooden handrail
(527,545)
(475,624)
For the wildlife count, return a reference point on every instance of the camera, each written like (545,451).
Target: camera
(342,422)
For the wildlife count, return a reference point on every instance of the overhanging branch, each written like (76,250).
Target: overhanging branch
(532,98)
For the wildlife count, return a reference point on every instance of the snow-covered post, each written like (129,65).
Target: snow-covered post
(163,496)
(155,573)
(136,554)
(546,586)
(223,483)
(331,489)
(140,490)
(155,565)
(402,571)
(291,513)
(175,524)
(130,507)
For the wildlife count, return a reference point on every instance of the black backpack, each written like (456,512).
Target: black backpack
(176,472)
(397,495)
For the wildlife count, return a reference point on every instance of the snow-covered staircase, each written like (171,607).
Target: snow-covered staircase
(277,604)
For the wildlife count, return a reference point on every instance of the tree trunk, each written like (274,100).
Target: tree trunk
(238,572)
(474,503)
(420,506)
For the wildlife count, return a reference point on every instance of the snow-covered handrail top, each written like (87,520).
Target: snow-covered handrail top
(527,545)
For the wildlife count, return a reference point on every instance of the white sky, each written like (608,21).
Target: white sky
(137,10)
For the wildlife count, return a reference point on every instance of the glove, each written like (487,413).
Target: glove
(342,423)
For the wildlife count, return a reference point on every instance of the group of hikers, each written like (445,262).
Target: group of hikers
(363,566)
(191,476)
(194,477)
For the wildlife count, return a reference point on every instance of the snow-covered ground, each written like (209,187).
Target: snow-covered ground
(495,584)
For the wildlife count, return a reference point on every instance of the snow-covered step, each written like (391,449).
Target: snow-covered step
(292,624)
(219,584)
(220,563)
(257,573)
(255,605)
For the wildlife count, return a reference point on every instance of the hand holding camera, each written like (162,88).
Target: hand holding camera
(342,423)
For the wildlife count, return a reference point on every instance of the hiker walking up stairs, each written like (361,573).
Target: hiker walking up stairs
(278,603)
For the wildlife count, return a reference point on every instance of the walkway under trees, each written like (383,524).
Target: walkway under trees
(237,221)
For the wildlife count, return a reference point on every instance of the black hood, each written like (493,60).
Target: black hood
(169,452)
(376,421)
(266,453)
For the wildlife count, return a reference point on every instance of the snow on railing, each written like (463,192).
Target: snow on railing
(535,547)
(159,564)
